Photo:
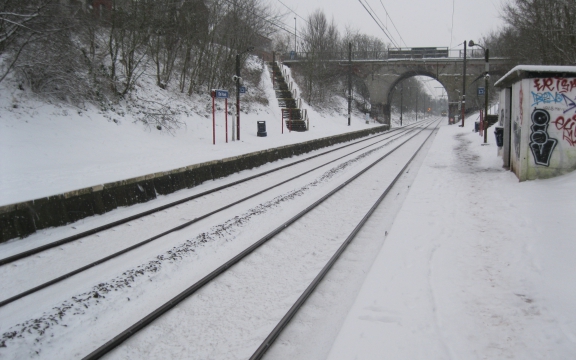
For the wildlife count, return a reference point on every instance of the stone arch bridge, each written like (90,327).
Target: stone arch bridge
(381,77)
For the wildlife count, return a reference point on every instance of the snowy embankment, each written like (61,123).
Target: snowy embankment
(50,148)
(476,265)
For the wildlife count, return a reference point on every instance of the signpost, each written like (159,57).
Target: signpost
(242,89)
(220,94)
(481,91)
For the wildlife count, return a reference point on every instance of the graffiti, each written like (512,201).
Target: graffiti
(560,85)
(565,85)
(541,145)
(569,103)
(521,105)
(543,84)
(568,127)
(553,98)
(547,98)
(517,133)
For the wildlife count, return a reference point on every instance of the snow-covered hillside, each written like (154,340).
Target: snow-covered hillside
(50,148)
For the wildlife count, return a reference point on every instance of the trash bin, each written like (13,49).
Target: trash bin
(477,126)
(261,128)
(499,133)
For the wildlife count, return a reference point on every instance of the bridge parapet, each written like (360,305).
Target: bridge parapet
(388,54)
(381,75)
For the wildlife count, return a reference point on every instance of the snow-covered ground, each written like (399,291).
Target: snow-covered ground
(50,149)
(116,294)
(475,266)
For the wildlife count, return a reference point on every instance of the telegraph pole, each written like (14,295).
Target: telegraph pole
(401,102)
(464,88)
(237,97)
(417,96)
(295,49)
(486,79)
(349,81)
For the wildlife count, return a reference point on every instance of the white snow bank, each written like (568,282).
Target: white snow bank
(49,149)
(476,266)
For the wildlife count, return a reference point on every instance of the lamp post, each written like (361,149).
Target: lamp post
(486,79)
(295,50)
(401,102)
(459,103)
(417,95)
(463,103)
(238,81)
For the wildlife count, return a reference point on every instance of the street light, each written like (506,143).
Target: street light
(459,102)
(238,81)
(463,102)
(486,79)
(401,101)
(295,49)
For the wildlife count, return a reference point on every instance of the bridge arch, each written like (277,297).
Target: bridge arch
(381,75)
(405,76)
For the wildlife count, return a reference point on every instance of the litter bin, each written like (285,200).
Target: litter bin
(261,128)
(477,126)
(499,133)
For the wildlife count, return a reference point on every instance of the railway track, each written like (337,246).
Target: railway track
(372,141)
(95,230)
(400,141)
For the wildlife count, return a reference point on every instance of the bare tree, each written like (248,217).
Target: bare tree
(538,32)
(22,22)
(320,42)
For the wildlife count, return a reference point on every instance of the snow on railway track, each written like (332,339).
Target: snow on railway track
(123,298)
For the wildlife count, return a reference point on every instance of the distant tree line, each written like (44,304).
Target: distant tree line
(541,32)
(81,50)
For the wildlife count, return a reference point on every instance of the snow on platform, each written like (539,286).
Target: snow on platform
(476,265)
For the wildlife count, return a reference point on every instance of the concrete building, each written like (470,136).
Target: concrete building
(538,114)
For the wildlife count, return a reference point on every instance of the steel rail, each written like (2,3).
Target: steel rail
(263,348)
(110,225)
(174,229)
(139,325)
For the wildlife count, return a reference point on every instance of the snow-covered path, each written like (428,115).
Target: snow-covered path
(476,265)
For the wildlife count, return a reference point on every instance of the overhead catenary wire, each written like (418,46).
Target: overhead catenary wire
(295,13)
(382,23)
(452,27)
(376,15)
(379,25)
(285,27)
(392,21)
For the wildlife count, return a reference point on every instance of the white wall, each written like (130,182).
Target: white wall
(543,127)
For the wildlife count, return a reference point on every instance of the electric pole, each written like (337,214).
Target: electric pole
(464,88)
(401,102)
(349,81)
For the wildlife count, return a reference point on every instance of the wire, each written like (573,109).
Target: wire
(381,22)
(398,32)
(295,13)
(377,23)
(452,28)
(285,27)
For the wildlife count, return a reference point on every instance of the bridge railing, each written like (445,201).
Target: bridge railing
(391,53)
(336,55)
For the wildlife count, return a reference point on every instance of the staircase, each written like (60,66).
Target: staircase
(293,116)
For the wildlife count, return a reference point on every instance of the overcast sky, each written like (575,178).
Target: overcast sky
(419,22)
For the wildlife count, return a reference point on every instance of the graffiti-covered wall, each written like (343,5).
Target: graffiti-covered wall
(543,127)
